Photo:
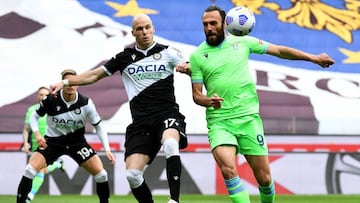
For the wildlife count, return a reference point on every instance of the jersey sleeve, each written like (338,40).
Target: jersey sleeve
(116,63)
(175,55)
(196,74)
(42,108)
(110,67)
(256,45)
(92,113)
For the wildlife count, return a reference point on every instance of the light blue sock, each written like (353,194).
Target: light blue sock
(267,193)
(237,190)
(36,184)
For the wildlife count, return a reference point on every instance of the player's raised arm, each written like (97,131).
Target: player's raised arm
(88,77)
(284,52)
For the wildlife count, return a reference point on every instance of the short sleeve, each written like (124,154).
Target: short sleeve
(196,74)
(256,45)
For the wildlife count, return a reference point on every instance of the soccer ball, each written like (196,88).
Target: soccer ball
(240,21)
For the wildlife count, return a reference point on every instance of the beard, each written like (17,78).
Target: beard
(217,40)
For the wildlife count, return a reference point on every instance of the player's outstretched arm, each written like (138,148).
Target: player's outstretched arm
(323,60)
(85,78)
(284,52)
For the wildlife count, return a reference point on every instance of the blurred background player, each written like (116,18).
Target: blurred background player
(30,144)
(67,114)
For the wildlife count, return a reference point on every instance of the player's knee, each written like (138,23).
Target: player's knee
(134,177)
(30,171)
(101,177)
(171,147)
(264,179)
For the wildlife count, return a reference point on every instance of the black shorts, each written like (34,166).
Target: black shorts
(74,146)
(145,136)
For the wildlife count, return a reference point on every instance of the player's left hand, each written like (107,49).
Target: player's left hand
(215,101)
(324,60)
(110,156)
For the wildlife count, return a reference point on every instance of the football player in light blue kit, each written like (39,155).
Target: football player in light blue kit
(232,105)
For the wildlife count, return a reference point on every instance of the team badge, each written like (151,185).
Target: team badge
(77,111)
(235,46)
(157,56)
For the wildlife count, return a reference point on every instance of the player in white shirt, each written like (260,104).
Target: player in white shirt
(147,71)
(67,113)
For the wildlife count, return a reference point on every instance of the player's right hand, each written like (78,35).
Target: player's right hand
(216,101)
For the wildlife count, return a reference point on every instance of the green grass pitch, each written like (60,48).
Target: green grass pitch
(189,199)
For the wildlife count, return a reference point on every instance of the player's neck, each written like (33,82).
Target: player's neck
(69,97)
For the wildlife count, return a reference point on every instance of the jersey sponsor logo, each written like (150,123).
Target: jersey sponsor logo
(150,71)
(67,124)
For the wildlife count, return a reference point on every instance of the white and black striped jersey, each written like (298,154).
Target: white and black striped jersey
(148,77)
(64,118)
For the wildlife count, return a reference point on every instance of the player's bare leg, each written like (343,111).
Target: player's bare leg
(225,157)
(261,169)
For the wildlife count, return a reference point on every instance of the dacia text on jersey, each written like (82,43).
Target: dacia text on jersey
(152,71)
(67,124)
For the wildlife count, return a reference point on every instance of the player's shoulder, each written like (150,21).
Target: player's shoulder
(203,45)
(127,51)
(50,99)
(83,99)
(158,47)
